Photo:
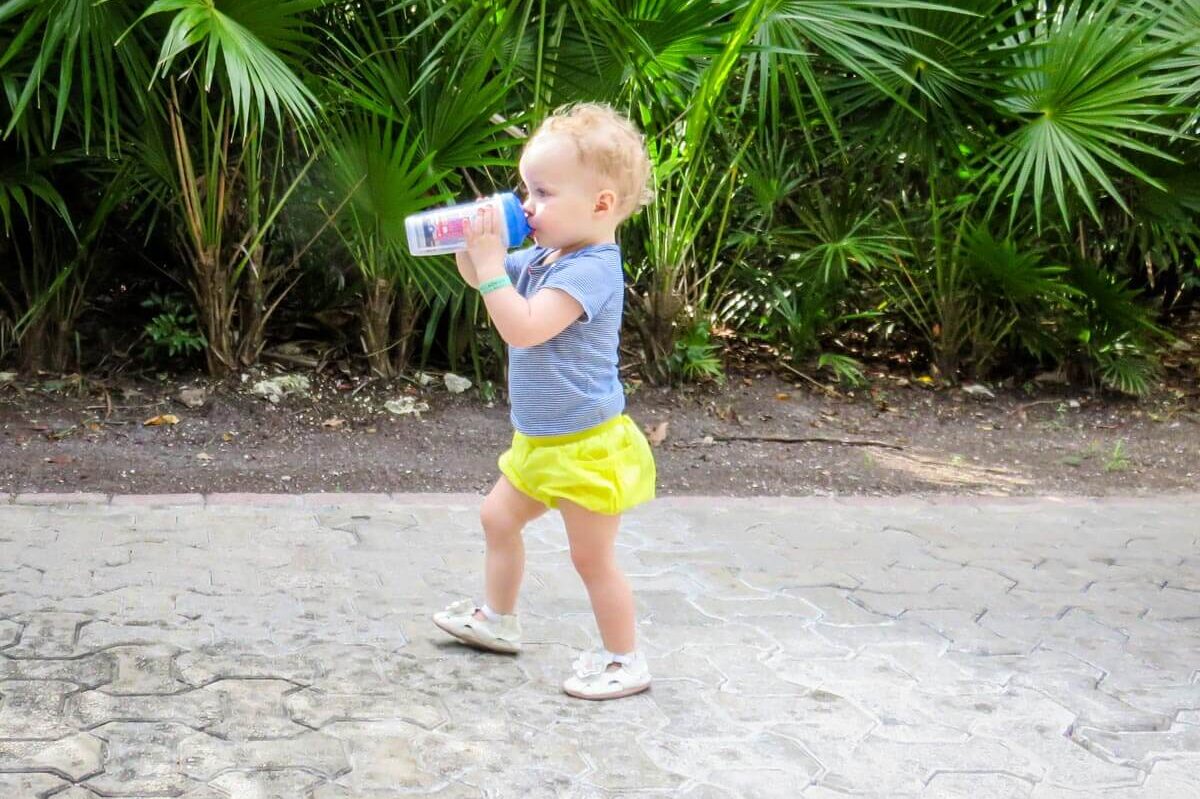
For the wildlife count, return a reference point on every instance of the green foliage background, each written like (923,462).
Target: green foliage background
(982,188)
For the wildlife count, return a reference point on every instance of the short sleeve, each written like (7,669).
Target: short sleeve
(592,279)
(516,262)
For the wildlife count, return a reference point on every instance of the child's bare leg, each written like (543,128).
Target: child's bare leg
(593,540)
(504,514)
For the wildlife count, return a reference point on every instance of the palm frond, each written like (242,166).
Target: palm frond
(948,68)
(1177,22)
(23,183)
(1005,271)
(838,233)
(800,42)
(459,110)
(66,50)
(379,165)
(254,40)
(1081,97)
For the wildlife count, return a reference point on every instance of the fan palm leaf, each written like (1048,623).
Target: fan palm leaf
(1082,95)
(259,43)
(64,50)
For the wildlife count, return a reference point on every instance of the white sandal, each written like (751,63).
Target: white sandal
(596,679)
(502,635)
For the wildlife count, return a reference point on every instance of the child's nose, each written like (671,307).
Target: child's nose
(527,206)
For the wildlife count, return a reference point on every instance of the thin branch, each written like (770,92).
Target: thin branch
(845,442)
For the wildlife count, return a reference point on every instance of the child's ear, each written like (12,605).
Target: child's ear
(606,201)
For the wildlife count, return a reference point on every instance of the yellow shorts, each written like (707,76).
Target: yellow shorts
(607,469)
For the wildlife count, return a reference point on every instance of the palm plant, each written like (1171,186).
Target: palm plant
(673,260)
(1113,336)
(230,174)
(402,137)
(378,165)
(971,295)
(60,54)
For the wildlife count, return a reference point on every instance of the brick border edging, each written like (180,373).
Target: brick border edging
(331,499)
(317,500)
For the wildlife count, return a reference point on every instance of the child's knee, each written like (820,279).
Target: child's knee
(591,565)
(497,519)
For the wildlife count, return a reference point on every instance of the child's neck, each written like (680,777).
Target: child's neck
(605,236)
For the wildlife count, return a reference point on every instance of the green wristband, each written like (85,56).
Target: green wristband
(488,286)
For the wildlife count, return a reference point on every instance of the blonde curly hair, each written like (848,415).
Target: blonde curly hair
(608,143)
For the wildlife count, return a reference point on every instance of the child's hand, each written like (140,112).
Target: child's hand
(484,247)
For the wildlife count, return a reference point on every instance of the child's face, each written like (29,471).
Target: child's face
(565,203)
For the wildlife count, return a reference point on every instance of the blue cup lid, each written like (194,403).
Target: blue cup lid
(514,218)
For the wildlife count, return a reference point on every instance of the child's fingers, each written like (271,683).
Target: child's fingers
(487,221)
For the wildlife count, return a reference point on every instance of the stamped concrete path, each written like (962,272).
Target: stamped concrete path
(280,646)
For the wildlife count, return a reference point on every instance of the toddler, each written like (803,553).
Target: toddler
(558,306)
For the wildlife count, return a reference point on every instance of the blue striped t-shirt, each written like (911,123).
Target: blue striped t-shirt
(569,383)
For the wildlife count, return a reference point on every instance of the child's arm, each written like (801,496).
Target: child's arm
(466,268)
(520,322)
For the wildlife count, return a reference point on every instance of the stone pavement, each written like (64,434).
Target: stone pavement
(279,646)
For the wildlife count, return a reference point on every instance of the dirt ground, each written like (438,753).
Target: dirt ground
(756,435)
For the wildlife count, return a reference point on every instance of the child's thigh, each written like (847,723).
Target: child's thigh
(506,505)
(592,535)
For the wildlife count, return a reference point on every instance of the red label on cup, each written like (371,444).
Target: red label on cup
(449,229)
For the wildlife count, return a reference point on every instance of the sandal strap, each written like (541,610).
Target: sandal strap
(462,606)
(595,662)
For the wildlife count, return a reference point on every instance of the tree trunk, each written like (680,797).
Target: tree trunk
(46,346)
(406,326)
(215,314)
(378,301)
(653,315)
(252,316)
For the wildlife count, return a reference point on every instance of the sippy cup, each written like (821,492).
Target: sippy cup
(442,230)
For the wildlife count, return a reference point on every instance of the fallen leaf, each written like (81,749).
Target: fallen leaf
(657,434)
(978,390)
(783,395)
(727,413)
(333,423)
(203,456)
(165,418)
(227,436)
